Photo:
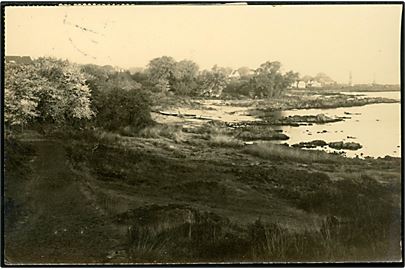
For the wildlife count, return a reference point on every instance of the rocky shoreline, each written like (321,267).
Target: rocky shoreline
(303,120)
(304,101)
(334,145)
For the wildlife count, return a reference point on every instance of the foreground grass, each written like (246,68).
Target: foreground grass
(201,236)
(181,206)
(281,152)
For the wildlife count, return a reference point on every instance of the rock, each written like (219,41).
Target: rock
(297,120)
(311,144)
(254,135)
(349,113)
(322,118)
(345,145)
(334,145)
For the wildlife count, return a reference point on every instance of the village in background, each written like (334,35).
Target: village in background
(317,82)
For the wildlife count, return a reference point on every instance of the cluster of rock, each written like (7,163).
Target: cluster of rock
(345,145)
(185,115)
(311,144)
(255,131)
(299,120)
(335,145)
(333,101)
(265,136)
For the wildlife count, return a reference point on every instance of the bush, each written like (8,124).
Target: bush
(237,89)
(47,91)
(120,108)
(281,152)
(224,140)
(158,130)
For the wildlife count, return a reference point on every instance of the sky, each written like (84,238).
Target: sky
(334,39)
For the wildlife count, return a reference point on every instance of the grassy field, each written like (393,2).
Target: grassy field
(169,194)
(203,184)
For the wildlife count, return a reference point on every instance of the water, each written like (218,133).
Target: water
(385,94)
(377,127)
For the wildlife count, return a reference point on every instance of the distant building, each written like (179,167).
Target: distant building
(315,84)
(298,85)
(301,85)
(234,75)
(26,60)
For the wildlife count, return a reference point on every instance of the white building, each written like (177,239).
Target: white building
(316,84)
(234,75)
(301,85)
(313,84)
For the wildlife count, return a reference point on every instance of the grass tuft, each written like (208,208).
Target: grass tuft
(281,152)
(171,132)
(224,141)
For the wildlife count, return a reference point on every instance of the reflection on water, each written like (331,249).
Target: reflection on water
(376,127)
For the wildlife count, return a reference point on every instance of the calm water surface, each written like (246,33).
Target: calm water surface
(377,127)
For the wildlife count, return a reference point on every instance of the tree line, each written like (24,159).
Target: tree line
(55,91)
(185,78)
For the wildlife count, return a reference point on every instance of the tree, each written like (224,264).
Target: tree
(117,108)
(213,81)
(307,78)
(186,70)
(185,75)
(161,72)
(22,84)
(323,78)
(48,90)
(122,80)
(236,89)
(68,98)
(96,76)
(268,80)
(103,78)
(244,72)
(290,78)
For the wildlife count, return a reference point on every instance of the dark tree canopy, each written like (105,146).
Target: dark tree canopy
(47,90)
(269,81)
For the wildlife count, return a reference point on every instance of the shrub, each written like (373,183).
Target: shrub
(158,130)
(119,108)
(236,89)
(224,140)
(48,90)
(282,152)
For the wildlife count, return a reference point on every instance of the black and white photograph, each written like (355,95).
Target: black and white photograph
(154,133)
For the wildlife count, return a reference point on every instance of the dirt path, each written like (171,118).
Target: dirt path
(59,225)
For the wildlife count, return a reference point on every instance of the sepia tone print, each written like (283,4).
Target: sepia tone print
(202,134)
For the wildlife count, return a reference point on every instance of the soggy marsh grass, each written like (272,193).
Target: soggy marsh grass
(223,140)
(281,152)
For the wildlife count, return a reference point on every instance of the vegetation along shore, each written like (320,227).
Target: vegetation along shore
(174,164)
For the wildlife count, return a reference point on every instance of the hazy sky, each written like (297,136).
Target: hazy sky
(363,39)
